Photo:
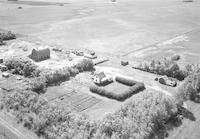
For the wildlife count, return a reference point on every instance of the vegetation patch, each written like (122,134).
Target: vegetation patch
(64,74)
(189,89)
(135,88)
(22,66)
(165,66)
(44,119)
(41,79)
(143,117)
(7,35)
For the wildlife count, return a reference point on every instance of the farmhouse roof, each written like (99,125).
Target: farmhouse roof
(101,75)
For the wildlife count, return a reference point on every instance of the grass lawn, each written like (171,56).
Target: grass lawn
(116,87)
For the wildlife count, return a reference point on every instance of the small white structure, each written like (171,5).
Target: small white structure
(100,78)
(5,75)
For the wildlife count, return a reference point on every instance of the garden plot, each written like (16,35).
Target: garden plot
(78,101)
(58,92)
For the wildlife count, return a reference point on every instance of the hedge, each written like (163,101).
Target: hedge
(120,97)
(125,81)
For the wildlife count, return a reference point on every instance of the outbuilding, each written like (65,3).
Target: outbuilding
(124,63)
(39,55)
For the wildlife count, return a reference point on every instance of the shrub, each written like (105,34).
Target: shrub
(120,97)
(125,81)
(7,35)
(38,84)
(22,66)
(189,89)
(84,65)
(73,71)
(192,68)
(57,76)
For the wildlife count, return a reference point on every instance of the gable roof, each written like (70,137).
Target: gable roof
(100,75)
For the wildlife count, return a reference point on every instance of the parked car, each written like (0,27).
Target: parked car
(167,81)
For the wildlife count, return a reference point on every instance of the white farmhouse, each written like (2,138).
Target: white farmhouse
(100,78)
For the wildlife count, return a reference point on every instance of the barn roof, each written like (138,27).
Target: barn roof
(42,51)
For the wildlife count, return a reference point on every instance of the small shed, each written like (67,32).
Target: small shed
(124,63)
(39,55)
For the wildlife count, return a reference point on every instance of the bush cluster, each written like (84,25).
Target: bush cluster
(141,118)
(84,65)
(164,66)
(38,84)
(22,66)
(7,35)
(189,89)
(44,119)
(120,97)
(57,76)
